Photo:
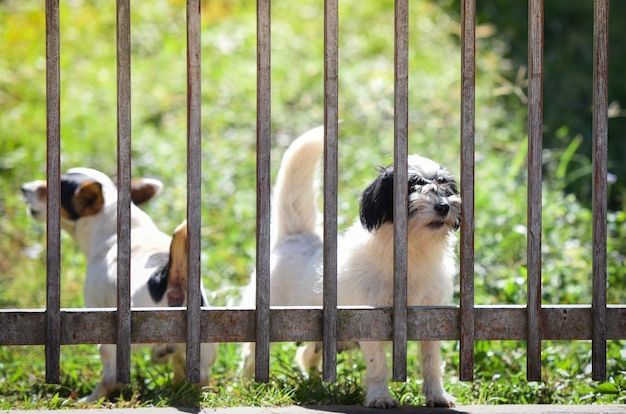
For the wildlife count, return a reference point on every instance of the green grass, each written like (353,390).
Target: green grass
(88,128)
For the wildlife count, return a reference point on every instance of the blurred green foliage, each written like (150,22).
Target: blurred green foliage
(567,80)
(366,55)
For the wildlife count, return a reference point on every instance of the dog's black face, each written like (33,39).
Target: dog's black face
(433,198)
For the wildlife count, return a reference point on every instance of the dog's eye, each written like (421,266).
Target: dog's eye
(418,181)
(450,189)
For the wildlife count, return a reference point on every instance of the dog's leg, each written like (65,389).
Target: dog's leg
(208,354)
(108,355)
(378,395)
(431,368)
(248,362)
(308,358)
(179,363)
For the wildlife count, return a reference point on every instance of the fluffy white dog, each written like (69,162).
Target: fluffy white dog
(365,256)
(89,215)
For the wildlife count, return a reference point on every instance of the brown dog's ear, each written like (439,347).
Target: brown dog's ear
(88,199)
(177,278)
(143,190)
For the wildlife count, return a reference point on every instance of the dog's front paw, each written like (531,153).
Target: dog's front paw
(98,393)
(89,399)
(383,403)
(380,398)
(440,399)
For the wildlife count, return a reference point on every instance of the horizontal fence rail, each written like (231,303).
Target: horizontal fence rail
(286,324)
(329,324)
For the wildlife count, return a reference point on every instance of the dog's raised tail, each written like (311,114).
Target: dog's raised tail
(294,204)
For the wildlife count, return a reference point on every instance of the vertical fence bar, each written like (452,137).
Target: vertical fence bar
(400,187)
(194,148)
(263,190)
(535,131)
(468,105)
(599,190)
(123,189)
(53,174)
(331,125)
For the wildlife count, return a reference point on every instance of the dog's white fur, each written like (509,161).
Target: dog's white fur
(89,216)
(365,257)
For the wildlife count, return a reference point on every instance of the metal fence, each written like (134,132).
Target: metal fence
(466,323)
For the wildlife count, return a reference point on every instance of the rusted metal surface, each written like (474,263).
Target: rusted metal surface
(599,189)
(53,218)
(150,325)
(440,322)
(331,133)
(194,152)
(238,325)
(400,187)
(567,323)
(466,269)
(495,323)
(123,328)
(263,190)
(535,132)
(27,327)
(307,326)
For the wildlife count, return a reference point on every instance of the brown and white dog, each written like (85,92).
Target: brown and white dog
(178,268)
(89,215)
(365,256)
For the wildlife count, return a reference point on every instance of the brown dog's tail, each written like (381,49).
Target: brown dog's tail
(177,276)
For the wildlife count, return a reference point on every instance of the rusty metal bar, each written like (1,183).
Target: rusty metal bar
(400,187)
(468,108)
(439,323)
(535,131)
(194,184)
(53,174)
(331,126)
(599,189)
(263,190)
(123,191)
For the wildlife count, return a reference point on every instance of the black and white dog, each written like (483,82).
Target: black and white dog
(365,256)
(89,215)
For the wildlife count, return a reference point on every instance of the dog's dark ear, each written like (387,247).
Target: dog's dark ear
(377,201)
(88,199)
(178,269)
(143,190)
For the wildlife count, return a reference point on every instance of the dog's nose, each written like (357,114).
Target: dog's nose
(442,209)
